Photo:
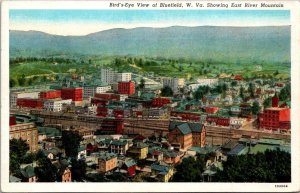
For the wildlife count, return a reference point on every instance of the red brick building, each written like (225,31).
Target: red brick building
(107,96)
(30,103)
(187,134)
(50,94)
(221,121)
(185,116)
(275,118)
(211,110)
(72,93)
(12,120)
(112,126)
(127,88)
(160,102)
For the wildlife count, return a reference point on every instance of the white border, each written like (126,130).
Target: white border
(293,6)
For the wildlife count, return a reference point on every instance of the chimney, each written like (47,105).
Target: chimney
(275,100)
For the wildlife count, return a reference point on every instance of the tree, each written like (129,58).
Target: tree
(167,91)
(142,84)
(190,170)
(242,92)
(251,89)
(30,81)
(78,169)
(201,91)
(270,166)
(12,83)
(17,152)
(21,81)
(285,93)
(267,102)
(71,142)
(46,171)
(255,108)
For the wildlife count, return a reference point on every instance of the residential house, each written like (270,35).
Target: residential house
(63,171)
(107,162)
(119,146)
(162,173)
(130,166)
(28,174)
(81,152)
(138,151)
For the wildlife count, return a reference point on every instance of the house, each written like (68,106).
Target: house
(171,157)
(28,174)
(162,173)
(107,162)
(130,166)
(138,151)
(81,152)
(14,179)
(155,154)
(52,153)
(119,146)
(63,173)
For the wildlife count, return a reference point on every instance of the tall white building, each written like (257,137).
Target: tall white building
(16,95)
(110,76)
(173,83)
(55,105)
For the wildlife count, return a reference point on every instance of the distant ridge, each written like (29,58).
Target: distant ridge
(228,44)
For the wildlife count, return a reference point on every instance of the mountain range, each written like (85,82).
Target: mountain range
(222,44)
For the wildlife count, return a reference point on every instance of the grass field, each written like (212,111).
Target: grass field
(160,67)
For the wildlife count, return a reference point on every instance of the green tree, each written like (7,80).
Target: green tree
(78,169)
(167,91)
(255,108)
(71,142)
(189,170)
(12,83)
(270,166)
(17,152)
(21,81)
(46,171)
(267,102)
(285,93)
(30,82)
(142,84)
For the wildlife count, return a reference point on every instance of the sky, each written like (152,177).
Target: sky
(83,22)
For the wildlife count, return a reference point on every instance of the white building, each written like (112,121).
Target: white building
(207,81)
(173,83)
(90,91)
(123,77)
(203,82)
(55,105)
(110,76)
(16,95)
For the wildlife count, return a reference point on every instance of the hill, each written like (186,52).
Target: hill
(221,44)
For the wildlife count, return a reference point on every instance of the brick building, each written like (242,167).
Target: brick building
(187,134)
(160,102)
(30,103)
(52,94)
(72,93)
(275,117)
(127,88)
(27,132)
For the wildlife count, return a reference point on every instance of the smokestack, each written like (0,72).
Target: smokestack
(275,100)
